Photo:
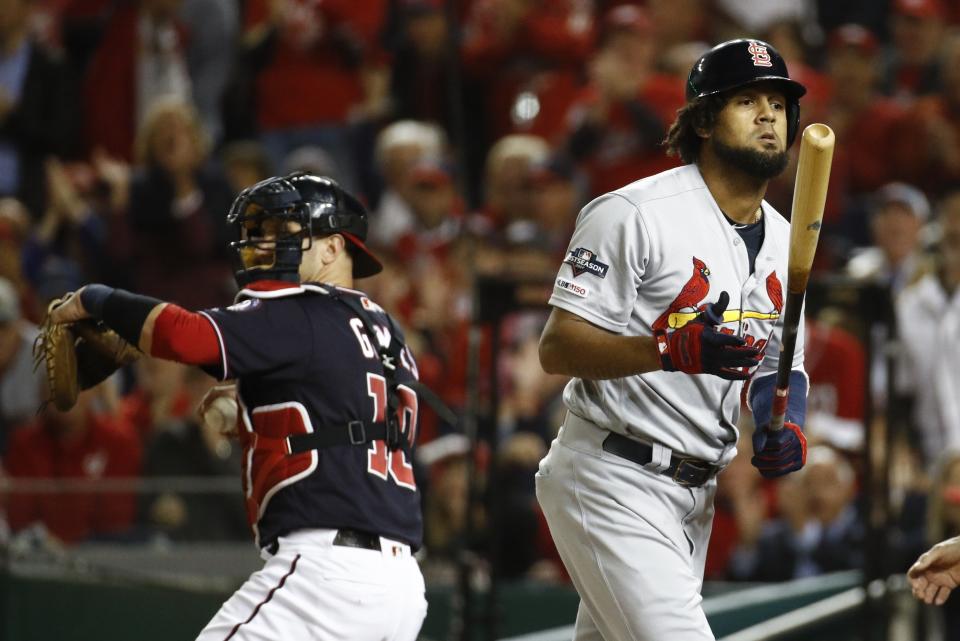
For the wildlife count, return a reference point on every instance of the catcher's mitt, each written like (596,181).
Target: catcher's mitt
(78,356)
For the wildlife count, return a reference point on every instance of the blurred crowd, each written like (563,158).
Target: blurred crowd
(474,131)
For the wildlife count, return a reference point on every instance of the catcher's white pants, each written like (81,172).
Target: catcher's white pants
(314,590)
(633,541)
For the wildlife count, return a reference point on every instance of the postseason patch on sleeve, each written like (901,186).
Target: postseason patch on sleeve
(583,260)
(572,287)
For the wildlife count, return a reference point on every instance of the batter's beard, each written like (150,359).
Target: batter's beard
(758,164)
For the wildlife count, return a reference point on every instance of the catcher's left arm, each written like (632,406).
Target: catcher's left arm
(117,326)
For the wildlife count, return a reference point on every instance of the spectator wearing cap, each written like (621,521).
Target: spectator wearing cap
(932,152)
(791,39)
(81,444)
(928,320)
(620,118)
(678,22)
(21,385)
(437,212)
(527,55)
(508,195)
(245,163)
(557,199)
(895,259)
(911,67)
(400,147)
(877,127)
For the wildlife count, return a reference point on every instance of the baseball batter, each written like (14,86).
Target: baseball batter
(669,298)
(328,401)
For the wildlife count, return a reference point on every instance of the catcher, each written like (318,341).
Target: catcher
(328,401)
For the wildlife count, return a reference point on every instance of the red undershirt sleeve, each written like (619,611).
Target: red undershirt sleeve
(185,337)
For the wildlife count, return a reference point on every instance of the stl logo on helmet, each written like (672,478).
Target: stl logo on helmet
(760,55)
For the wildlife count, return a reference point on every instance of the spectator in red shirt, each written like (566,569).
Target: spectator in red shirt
(159,397)
(21,384)
(858,113)
(877,128)
(837,366)
(621,117)
(141,58)
(911,67)
(318,67)
(528,55)
(74,446)
(437,211)
(932,154)
(420,83)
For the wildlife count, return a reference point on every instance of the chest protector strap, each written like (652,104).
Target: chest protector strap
(361,432)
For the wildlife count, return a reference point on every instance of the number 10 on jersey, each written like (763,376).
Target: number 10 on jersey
(380,460)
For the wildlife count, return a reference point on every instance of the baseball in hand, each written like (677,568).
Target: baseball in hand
(221,414)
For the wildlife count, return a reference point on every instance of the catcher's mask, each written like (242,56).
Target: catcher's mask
(273,229)
(277,218)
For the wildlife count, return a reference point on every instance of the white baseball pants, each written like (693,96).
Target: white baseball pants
(314,590)
(633,540)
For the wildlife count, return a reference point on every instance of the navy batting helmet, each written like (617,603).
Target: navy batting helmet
(737,63)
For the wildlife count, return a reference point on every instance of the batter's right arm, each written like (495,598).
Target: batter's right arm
(572,346)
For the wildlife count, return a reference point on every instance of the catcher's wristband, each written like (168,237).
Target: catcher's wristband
(126,312)
(663,349)
(93,296)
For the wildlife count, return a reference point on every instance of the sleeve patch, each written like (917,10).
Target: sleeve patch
(583,260)
(573,288)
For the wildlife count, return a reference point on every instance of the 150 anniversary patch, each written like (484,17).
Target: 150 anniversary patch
(583,260)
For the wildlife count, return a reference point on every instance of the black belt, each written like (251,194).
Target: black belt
(356,539)
(686,471)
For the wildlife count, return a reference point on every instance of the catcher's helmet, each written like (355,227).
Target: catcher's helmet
(283,214)
(332,210)
(737,63)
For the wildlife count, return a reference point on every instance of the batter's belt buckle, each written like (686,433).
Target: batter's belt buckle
(702,472)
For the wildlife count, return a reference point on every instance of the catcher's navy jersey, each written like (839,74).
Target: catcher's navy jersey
(304,363)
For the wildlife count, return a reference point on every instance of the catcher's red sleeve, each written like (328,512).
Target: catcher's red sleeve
(185,337)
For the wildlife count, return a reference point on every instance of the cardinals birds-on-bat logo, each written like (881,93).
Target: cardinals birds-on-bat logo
(689,302)
(696,289)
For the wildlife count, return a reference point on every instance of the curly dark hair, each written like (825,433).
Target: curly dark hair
(700,114)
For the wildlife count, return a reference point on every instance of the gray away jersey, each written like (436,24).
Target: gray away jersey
(650,255)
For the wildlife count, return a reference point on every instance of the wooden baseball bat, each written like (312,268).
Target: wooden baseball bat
(809,197)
